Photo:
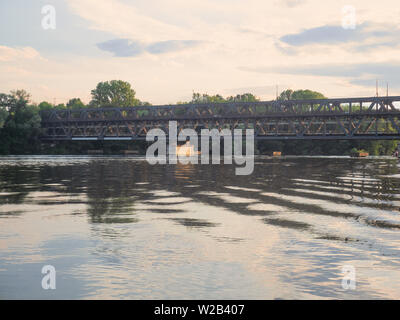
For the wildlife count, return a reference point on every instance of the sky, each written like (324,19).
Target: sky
(168,49)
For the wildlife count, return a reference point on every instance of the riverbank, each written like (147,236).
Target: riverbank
(295,148)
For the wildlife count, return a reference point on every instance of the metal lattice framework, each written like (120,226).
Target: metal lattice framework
(353,118)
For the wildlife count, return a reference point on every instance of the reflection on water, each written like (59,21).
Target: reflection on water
(116,227)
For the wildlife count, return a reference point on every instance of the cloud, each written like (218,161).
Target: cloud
(376,45)
(131,48)
(363,74)
(229,33)
(171,45)
(123,19)
(344,70)
(284,48)
(16,54)
(122,47)
(331,34)
(293,3)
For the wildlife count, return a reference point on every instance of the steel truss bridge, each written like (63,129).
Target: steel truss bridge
(353,118)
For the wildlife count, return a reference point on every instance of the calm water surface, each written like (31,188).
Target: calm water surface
(116,227)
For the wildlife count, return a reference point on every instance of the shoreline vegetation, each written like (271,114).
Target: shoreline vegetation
(20,126)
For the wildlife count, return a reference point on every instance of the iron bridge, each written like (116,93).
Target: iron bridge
(352,118)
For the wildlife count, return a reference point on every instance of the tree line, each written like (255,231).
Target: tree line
(20,124)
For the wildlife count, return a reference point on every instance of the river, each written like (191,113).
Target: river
(120,228)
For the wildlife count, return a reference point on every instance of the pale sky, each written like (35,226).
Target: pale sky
(169,48)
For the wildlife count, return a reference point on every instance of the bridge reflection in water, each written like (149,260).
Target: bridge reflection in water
(351,118)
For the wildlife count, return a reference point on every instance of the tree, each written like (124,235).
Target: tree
(20,99)
(75,103)
(246,97)
(286,95)
(205,98)
(21,127)
(115,93)
(20,114)
(144,103)
(60,106)
(6,100)
(44,105)
(300,95)
(3,113)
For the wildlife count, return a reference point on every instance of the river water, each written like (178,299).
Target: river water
(120,228)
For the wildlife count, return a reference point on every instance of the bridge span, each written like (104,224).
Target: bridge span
(347,118)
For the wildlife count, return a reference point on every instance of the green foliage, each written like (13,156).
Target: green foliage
(114,93)
(45,106)
(246,97)
(205,98)
(75,103)
(3,117)
(144,103)
(21,127)
(300,95)
(5,102)
(60,106)
(198,98)
(48,106)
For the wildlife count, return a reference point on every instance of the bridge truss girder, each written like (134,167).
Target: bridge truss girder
(323,126)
